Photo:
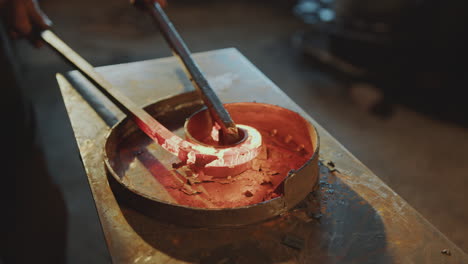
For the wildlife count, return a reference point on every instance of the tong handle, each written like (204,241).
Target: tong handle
(119,99)
(229,133)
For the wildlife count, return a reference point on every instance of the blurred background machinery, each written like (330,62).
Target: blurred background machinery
(412,51)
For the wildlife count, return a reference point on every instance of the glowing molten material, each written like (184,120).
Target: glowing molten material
(215,161)
(289,144)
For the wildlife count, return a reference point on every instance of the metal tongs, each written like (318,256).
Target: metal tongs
(229,133)
(192,154)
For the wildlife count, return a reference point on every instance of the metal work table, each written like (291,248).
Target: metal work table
(353,217)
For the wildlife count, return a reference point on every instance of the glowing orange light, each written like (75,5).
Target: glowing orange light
(219,162)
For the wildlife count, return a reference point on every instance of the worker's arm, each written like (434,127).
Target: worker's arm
(24,19)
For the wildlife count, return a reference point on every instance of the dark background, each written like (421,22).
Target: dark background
(405,117)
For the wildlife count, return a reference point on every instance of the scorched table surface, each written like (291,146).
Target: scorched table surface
(353,217)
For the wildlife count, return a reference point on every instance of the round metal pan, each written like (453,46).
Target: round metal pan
(142,176)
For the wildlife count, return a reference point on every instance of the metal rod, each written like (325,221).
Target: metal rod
(193,155)
(229,132)
(119,99)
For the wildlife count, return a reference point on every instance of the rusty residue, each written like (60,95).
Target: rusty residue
(288,148)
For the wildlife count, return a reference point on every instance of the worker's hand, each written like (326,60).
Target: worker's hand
(24,19)
(163,3)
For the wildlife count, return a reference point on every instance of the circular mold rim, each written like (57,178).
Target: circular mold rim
(215,217)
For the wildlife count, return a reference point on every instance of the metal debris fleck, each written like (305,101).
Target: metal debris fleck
(446,252)
(248,194)
(329,164)
(317,215)
(293,242)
